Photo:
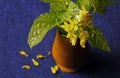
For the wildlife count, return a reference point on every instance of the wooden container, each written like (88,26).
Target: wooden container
(69,58)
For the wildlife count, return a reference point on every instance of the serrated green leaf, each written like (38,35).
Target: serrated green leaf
(70,12)
(47,1)
(98,40)
(102,5)
(47,21)
(86,3)
(99,5)
(40,27)
(57,5)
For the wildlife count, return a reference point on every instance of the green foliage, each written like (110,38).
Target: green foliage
(86,3)
(47,21)
(57,5)
(63,10)
(40,27)
(98,40)
(99,5)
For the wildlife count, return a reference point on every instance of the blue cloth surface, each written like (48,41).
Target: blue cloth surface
(16,18)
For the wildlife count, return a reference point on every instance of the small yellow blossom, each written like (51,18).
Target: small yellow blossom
(49,53)
(91,25)
(84,17)
(84,35)
(72,21)
(70,25)
(35,63)
(56,67)
(53,70)
(26,67)
(82,43)
(84,10)
(24,53)
(81,29)
(72,37)
(73,24)
(67,27)
(40,56)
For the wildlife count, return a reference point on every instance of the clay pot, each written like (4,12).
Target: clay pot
(68,58)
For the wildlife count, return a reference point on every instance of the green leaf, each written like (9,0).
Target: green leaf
(40,27)
(46,22)
(86,3)
(57,5)
(47,1)
(98,40)
(70,12)
(99,5)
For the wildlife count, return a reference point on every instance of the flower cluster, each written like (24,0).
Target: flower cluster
(76,27)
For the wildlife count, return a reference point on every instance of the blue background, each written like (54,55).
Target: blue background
(16,18)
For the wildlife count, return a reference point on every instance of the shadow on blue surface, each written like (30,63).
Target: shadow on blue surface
(16,18)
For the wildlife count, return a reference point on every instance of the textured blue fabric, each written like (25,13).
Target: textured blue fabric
(16,18)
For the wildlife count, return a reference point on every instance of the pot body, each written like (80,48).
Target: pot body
(69,58)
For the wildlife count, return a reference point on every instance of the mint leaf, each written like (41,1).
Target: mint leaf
(40,27)
(101,6)
(57,5)
(46,22)
(47,1)
(70,12)
(98,40)
(86,3)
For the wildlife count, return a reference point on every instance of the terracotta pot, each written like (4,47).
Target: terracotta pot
(68,58)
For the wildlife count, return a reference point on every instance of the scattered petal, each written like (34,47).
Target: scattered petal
(26,67)
(56,67)
(35,63)
(39,56)
(53,70)
(24,53)
(49,53)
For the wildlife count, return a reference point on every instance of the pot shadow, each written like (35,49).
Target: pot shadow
(99,61)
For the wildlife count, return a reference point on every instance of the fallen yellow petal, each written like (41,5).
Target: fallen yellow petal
(39,56)
(35,63)
(26,67)
(56,67)
(49,53)
(53,70)
(24,53)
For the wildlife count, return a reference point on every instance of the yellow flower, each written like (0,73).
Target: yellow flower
(83,38)
(26,67)
(70,25)
(39,56)
(24,53)
(67,27)
(82,43)
(35,63)
(84,11)
(83,34)
(74,24)
(54,69)
(49,53)
(81,29)
(72,37)
(84,17)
